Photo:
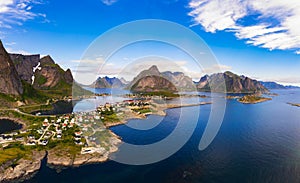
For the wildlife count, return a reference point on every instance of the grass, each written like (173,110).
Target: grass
(252,99)
(40,80)
(160,93)
(14,152)
(32,95)
(113,118)
(30,109)
(143,111)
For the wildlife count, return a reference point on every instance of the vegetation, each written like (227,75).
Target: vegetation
(33,108)
(112,118)
(40,79)
(160,93)
(143,110)
(14,152)
(253,99)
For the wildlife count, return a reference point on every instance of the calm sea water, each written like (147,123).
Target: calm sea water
(256,143)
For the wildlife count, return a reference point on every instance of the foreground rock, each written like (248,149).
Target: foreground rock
(24,168)
(63,157)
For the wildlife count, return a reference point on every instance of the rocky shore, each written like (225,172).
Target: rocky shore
(61,158)
(22,169)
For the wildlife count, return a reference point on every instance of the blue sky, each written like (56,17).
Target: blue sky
(257,38)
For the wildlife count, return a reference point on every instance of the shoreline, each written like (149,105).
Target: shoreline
(160,112)
(15,120)
(28,168)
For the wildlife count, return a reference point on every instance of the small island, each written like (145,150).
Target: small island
(294,104)
(253,99)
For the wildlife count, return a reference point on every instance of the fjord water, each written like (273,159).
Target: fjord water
(256,143)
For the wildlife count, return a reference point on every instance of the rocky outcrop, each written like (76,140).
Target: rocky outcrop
(156,81)
(180,80)
(152,71)
(63,158)
(153,84)
(51,75)
(25,65)
(24,168)
(230,83)
(152,80)
(10,83)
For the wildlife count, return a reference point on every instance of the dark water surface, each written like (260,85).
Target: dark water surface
(7,125)
(256,143)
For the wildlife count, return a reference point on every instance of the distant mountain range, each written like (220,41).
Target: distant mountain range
(31,79)
(274,85)
(106,82)
(152,79)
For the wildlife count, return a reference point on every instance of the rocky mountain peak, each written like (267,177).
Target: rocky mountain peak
(233,83)
(25,65)
(10,83)
(47,60)
(153,68)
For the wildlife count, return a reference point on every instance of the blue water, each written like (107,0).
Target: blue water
(256,143)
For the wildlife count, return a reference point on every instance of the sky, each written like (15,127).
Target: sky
(256,38)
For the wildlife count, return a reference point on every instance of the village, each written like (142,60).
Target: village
(86,129)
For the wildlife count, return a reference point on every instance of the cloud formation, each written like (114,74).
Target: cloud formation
(109,2)
(16,12)
(264,23)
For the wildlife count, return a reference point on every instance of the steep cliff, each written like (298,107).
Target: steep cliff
(180,80)
(232,83)
(51,75)
(10,83)
(25,65)
(151,80)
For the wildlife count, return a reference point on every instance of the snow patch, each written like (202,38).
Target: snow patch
(34,69)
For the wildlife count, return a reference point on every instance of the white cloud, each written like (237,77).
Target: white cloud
(109,2)
(216,69)
(23,52)
(15,12)
(275,25)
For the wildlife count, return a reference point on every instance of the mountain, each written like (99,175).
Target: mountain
(53,81)
(25,65)
(233,83)
(292,87)
(177,81)
(124,81)
(272,85)
(151,80)
(152,71)
(106,82)
(27,79)
(180,80)
(10,82)
(153,84)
